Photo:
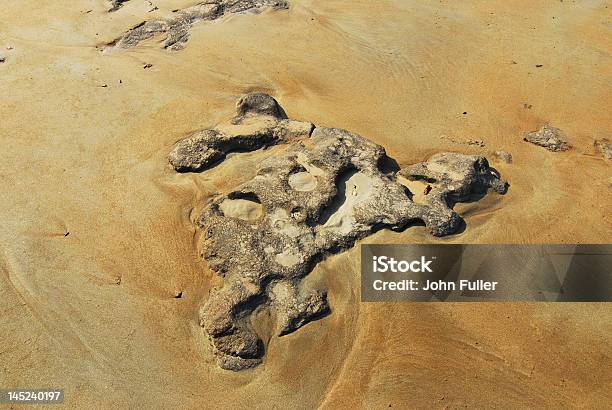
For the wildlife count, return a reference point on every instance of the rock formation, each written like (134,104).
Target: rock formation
(452,178)
(260,122)
(548,137)
(176,28)
(325,191)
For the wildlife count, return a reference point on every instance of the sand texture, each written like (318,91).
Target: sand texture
(101,268)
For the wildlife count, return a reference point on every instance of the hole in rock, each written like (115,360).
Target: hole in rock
(354,188)
(242,206)
(302,182)
(334,205)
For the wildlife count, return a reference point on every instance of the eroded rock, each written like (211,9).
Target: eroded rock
(325,191)
(176,28)
(259,122)
(550,138)
(452,178)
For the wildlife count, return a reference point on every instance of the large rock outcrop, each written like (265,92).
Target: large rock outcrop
(325,191)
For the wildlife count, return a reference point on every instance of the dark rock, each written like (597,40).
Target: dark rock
(258,104)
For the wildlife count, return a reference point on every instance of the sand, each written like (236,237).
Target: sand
(97,236)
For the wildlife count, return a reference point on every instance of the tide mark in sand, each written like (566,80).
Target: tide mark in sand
(175,29)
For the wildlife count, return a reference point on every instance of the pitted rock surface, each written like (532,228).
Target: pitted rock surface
(550,138)
(325,191)
(176,28)
(452,178)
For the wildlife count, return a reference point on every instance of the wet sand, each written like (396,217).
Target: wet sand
(98,237)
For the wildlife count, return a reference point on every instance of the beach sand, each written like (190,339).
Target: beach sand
(97,237)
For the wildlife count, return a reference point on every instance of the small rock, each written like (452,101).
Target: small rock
(9,47)
(548,137)
(259,104)
(480,143)
(604,147)
(2,59)
(504,156)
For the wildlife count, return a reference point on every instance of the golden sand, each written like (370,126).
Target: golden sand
(97,238)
